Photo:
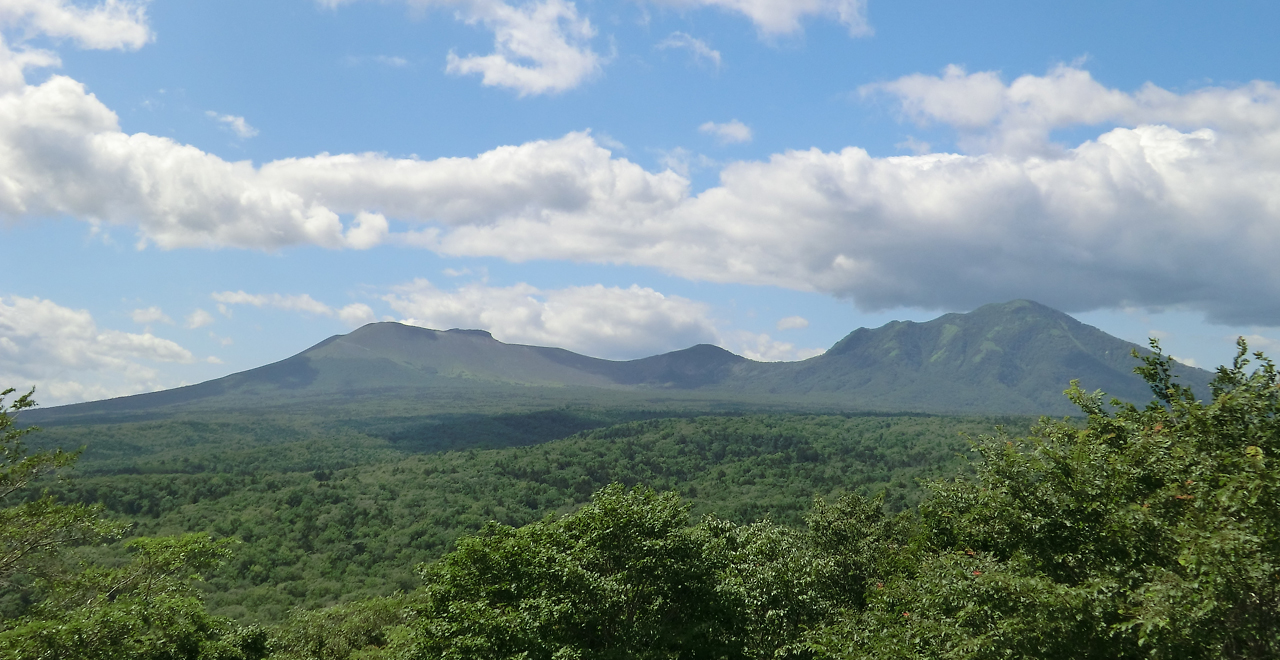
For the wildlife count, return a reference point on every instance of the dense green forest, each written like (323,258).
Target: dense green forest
(1140,533)
(340,518)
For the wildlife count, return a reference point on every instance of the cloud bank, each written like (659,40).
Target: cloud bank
(608,322)
(1175,202)
(65,354)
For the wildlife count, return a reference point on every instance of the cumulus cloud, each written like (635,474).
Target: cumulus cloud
(63,153)
(608,322)
(68,358)
(730,132)
(199,319)
(540,46)
(793,323)
(764,348)
(297,303)
(698,48)
(1175,201)
(149,315)
(1018,118)
(355,314)
(777,17)
(108,25)
(235,124)
(1259,343)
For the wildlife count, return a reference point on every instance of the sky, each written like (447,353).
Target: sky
(193,188)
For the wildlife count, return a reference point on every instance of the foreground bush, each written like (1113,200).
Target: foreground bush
(1150,533)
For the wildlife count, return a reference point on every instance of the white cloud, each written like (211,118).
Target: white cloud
(68,358)
(108,25)
(793,323)
(775,17)
(1017,118)
(764,348)
(235,124)
(368,230)
(730,132)
(698,48)
(199,319)
(297,303)
(355,314)
(63,153)
(540,47)
(1260,343)
(1179,204)
(112,24)
(149,315)
(609,322)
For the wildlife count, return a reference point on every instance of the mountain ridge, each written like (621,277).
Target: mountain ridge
(1014,357)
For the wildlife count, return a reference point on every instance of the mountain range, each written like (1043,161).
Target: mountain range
(1011,358)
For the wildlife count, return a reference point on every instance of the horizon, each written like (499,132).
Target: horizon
(195,189)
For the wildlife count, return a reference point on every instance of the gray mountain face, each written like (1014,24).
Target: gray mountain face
(1015,357)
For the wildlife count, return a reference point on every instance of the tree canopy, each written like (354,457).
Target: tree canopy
(1149,532)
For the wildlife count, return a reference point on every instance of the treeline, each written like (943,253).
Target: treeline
(319,537)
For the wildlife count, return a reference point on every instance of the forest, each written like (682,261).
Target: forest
(1126,532)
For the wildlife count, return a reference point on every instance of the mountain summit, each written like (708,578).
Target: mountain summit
(1015,357)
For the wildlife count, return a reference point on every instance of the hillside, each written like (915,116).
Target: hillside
(1011,358)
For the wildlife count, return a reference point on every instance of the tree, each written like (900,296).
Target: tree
(34,530)
(1149,533)
(147,609)
(623,577)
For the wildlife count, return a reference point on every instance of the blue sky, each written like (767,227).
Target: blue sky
(189,189)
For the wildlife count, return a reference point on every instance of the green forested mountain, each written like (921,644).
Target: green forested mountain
(1134,532)
(448,495)
(1013,358)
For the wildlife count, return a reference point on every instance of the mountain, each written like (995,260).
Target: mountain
(1015,357)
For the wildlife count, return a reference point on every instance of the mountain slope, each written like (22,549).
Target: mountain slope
(1011,357)
(1015,357)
